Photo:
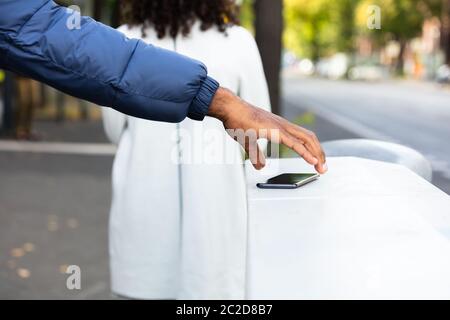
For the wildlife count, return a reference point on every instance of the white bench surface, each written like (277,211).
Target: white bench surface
(365,230)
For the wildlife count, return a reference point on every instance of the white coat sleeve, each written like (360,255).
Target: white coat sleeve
(114,124)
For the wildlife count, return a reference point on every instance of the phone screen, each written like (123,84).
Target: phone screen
(291,178)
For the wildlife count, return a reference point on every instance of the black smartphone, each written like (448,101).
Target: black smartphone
(289,181)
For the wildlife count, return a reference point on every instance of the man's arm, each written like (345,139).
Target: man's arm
(89,60)
(99,64)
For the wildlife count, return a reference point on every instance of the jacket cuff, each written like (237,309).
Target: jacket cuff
(200,105)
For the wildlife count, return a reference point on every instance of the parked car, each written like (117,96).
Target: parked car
(306,67)
(334,67)
(443,74)
(368,73)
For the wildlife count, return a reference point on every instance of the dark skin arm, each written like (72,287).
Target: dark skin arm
(238,114)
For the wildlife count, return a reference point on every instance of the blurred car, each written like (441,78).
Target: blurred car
(334,67)
(289,59)
(306,67)
(367,73)
(443,74)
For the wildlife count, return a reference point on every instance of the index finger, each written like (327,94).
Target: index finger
(311,143)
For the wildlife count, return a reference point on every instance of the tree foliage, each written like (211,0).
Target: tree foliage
(317,28)
(401,20)
(308,29)
(321,27)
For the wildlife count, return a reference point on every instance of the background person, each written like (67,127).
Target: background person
(158,205)
(28,98)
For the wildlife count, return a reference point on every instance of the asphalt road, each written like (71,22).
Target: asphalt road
(410,113)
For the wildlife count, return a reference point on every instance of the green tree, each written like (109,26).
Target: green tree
(441,10)
(445,31)
(309,31)
(401,20)
(247,15)
(344,18)
(321,27)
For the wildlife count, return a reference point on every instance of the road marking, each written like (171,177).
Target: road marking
(346,123)
(89,149)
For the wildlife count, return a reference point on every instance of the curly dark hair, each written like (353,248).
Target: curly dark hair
(173,17)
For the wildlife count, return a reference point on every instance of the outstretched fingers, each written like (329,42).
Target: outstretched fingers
(295,144)
(312,144)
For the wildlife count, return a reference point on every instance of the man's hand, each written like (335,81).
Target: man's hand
(237,114)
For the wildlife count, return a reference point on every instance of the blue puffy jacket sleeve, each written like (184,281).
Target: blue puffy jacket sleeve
(91,61)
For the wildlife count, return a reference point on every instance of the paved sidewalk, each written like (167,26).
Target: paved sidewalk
(54,213)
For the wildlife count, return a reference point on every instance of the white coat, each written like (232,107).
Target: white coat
(178,230)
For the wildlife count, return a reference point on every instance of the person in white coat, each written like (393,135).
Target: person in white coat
(179,207)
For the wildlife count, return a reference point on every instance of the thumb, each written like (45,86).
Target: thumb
(255,154)
(249,141)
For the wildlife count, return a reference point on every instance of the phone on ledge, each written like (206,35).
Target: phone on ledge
(289,181)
